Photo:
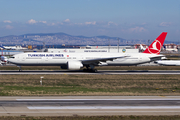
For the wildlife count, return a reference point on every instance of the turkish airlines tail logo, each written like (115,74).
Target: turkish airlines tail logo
(155,47)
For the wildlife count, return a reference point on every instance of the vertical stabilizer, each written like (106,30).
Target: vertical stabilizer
(155,47)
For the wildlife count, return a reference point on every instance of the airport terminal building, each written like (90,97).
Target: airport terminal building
(95,49)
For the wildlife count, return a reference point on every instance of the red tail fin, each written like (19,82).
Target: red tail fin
(155,47)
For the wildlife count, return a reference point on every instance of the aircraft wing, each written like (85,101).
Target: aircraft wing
(98,60)
(159,57)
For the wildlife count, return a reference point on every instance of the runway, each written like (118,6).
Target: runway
(120,72)
(89,105)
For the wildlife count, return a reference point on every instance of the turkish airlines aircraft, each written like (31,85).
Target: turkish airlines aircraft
(75,61)
(3,59)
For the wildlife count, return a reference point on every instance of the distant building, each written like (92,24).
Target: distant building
(96,49)
(167,47)
(106,47)
(171,47)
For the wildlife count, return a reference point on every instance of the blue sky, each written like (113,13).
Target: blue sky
(128,19)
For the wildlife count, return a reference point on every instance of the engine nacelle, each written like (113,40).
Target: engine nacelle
(74,65)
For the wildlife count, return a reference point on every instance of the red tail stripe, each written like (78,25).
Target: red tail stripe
(160,39)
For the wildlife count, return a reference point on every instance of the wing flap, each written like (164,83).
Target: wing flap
(159,57)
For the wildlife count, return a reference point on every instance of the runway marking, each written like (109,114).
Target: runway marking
(102,72)
(104,107)
(86,99)
(90,73)
(44,102)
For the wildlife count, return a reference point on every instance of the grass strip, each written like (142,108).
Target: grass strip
(29,85)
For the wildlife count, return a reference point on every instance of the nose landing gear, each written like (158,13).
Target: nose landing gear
(19,68)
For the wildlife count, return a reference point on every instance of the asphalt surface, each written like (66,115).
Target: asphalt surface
(89,105)
(173,72)
(89,102)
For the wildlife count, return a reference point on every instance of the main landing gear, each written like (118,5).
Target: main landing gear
(90,70)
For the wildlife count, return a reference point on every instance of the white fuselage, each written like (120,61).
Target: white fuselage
(59,59)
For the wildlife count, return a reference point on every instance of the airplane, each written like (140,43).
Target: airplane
(17,47)
(3,59)
(8,47)
(168,62)
(76,61)
(141,47)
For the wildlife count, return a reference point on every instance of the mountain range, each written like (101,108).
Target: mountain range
(63,38)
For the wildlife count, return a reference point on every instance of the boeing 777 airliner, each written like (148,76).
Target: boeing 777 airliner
(76,61)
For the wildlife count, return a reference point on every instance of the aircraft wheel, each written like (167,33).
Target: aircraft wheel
(94,70)
(85,70)
(89,70)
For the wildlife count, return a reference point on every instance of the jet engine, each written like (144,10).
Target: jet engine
(74,65)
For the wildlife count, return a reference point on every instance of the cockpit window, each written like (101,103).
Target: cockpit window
(12,57)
